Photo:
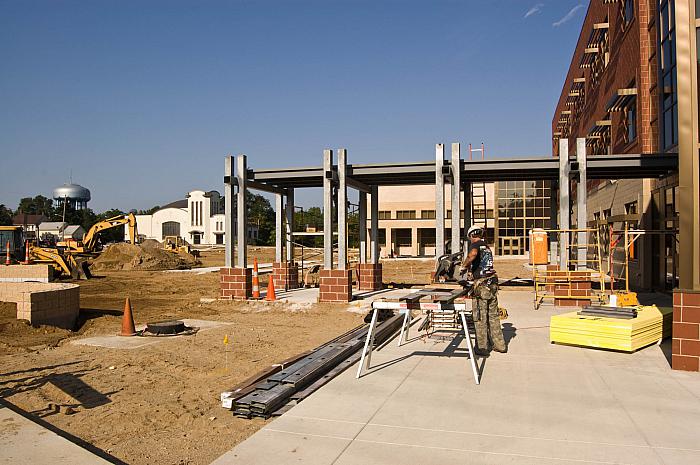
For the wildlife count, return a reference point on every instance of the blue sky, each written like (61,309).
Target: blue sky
(141,101)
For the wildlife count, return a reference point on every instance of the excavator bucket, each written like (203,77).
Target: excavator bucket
(81,270)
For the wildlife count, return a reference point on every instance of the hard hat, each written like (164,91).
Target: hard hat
(475,229)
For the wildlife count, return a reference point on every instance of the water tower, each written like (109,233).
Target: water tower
(74,195)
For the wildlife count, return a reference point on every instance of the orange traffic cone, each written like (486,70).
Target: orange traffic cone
(271,297)
(256,281)
(128,328)
(7,258)
(27,260)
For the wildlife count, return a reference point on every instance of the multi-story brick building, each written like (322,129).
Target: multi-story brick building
(620,94)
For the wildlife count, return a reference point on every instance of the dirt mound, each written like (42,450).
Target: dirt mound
(145,257)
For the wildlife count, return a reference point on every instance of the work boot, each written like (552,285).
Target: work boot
(481,352)
(501,351)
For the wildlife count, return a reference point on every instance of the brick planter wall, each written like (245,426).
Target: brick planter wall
(44,304)
(285,275)
(335,286)
(22,273)
(236,283)
(370,277)
(686,331)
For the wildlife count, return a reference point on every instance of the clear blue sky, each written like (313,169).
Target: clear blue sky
(141,100)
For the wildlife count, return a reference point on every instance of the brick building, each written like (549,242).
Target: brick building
(612,97)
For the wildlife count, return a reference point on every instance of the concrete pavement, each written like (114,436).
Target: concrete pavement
(538,404)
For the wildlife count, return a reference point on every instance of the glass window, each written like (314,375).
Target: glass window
(406,215)
(385,215)
(629,11)
(632,123)
(427,214)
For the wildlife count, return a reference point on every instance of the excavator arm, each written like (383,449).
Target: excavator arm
(68,264)
(90,239)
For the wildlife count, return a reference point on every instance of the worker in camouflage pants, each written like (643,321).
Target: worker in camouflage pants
(479,263)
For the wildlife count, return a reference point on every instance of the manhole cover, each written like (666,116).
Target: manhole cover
(166,327)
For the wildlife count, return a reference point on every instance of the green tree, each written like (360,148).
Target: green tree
(261,214)
(5,216)
(150,211)
(38,205)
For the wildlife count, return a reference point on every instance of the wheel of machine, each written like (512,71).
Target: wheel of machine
(166,327)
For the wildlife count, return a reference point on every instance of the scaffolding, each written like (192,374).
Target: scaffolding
(583,267)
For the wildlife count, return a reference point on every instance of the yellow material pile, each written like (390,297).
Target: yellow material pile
(651,325)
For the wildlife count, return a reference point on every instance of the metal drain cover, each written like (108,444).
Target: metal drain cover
(166,327)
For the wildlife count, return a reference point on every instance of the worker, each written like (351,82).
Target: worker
(477,265)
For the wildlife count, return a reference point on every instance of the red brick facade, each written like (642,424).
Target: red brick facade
(686,331)
(335,286)
(370,276)
(236,283)
(285,275)
(631,63)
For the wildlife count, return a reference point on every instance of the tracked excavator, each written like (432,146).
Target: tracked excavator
(89,243)
(63,263)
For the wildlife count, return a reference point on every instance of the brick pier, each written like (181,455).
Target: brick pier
(335,286)
(370,276)
(285,275)
(236,283)
(686,331)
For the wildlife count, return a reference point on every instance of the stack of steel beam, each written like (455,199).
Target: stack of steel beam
(277,390)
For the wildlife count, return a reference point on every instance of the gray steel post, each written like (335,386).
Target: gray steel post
(342,209)
(374,226)
(467,196)
(362,219)
(581,202)
(242,212)
(439,201)
(228,212)
(290,225)
(553,222)
(279,227)
(564,201)
(328,209)
(456,240)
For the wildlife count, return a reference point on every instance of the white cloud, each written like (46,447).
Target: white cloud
(568,16)
(533,10)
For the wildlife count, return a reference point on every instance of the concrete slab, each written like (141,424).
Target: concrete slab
(538,404)
(23,441)
(119,342)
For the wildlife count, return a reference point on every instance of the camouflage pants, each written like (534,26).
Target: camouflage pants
(486,320)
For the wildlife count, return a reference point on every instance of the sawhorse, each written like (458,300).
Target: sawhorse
(366,358)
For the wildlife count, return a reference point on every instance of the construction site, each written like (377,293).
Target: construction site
(479,307)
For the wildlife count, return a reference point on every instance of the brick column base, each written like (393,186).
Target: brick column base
(285,275)
(685,353)
(370,277)
(236,283)
(580,286)
(335,286)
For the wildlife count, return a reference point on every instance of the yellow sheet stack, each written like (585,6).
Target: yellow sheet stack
(651,324)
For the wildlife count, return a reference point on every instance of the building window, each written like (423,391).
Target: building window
(631,208)
(384,215)
(403,237)
(427,214)
(406,215)
(631,122)
(628,12)
(667,80)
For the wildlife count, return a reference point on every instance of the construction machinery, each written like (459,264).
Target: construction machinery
(178,245)
(63,263)
(15,236)
(90,240)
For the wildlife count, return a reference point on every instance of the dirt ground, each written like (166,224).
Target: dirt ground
(158,404)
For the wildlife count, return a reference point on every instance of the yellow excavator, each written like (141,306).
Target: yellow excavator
(89,242)
(71,265)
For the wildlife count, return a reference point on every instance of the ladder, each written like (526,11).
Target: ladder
(478,194)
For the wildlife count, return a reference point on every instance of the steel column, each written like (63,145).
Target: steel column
(328,209)
(439,201)
(467,195)
(228,212)
(581,203)
(553,222)
(290,225)
(342,209)
(279,227)
(564,201)
(242,212)
(456,240)
(374,226)
(688,146)
(362,220)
